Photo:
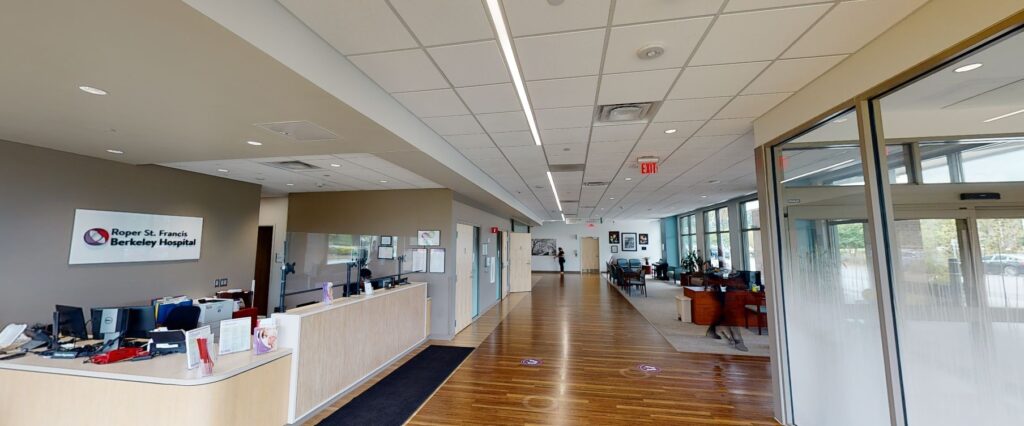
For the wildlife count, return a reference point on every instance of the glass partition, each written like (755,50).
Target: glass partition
(829,302)
(338,259)
(957,263)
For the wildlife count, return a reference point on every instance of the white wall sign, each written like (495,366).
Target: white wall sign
(117,237)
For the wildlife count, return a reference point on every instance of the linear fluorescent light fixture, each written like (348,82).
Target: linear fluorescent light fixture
(1001,116)
(494,7)
(823,169)
(553,191)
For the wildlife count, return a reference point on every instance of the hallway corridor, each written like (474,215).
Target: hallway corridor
(591,343)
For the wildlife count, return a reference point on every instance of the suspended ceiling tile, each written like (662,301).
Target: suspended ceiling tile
(631,11)
(643,86)
(622,132)
(677,38)
(454,125)
(715,80)
(683,129)
(690,109)
(471,64)
(751,105)
(526,17)
(432,103)
(560,55)
(402,71)
(560,136)
(742,5)
(520,138)
(491,98)
(755,36)
(445,21)
(850,26)
(563,92)
(562,118)
(790,75)
(353,27)
(504,121)
(475,140)
(731,126)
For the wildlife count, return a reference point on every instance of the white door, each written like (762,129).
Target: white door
(463,277)
(504,265)
(519,258)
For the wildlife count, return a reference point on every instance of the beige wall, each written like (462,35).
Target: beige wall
(274,212)
(399,213)
(40,190)
(928,31)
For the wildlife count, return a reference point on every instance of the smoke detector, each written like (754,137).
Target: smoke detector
(650,51)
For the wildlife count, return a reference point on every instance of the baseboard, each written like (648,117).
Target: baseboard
(555,272)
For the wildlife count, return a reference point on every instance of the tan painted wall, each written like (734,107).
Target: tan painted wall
(39,192)
(934,27)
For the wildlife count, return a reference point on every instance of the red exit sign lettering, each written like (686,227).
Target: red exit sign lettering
(648,168)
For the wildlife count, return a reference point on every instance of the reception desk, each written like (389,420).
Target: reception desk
(336,347)
(244,389)
(704,307)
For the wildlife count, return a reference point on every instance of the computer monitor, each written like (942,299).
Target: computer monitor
(141,320)
(109,323)
(71,322)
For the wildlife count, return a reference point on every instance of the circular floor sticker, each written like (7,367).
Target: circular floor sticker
(531,362)
(648,368)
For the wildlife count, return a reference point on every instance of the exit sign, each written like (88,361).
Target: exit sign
(648,168)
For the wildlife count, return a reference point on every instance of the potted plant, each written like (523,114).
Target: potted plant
(693,266)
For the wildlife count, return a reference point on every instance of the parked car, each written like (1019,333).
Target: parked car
(1003,264)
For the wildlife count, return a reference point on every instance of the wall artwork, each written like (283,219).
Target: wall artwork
(544,247)
(643,239)
(629,241)
(613,237)
(615,249)
(428,238)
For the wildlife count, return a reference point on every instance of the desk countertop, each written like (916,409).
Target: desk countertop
(346,301)
(165,370)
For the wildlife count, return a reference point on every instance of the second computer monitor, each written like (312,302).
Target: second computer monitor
(71,322)
(141,320)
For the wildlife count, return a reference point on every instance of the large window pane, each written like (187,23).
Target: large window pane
(957,294)
(830,303)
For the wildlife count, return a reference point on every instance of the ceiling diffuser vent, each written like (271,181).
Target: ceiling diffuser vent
(295,166)
(301,131)
(625,113)
(595,184)
(578,220)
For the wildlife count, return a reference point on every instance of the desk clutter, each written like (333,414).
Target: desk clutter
(200,329)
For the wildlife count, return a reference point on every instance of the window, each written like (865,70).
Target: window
(750,224)
(687,234)
(345,248)
(716,237)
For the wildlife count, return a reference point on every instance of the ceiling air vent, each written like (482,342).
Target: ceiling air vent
(302,131)
(625,113)
(295,166)
(595,184)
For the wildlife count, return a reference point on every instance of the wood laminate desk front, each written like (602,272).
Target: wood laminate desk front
(244,389)
(338,346)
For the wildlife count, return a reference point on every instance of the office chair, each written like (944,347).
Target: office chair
(182,318)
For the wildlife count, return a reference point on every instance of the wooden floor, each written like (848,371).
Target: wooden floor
(590,341)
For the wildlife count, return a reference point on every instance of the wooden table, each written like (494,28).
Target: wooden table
(704,307)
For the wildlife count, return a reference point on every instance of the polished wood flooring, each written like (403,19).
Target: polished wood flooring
(591,342)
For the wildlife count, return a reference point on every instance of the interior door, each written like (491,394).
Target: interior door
(464,261)
(505,265)
(519,259)
(589,257)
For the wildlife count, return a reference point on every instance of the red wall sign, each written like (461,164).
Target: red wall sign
(648,168)
(494,229)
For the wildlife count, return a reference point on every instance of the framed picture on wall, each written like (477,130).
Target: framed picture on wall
(543,247)
(386,240)
(629,241)
(613,237)
(385,252)
(643,239)
(615,249)
(428,238)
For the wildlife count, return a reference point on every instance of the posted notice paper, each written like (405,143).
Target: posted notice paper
(234,336)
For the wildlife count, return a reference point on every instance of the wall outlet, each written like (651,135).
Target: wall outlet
(220,282)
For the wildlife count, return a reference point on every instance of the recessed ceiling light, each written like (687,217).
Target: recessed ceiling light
(222,170)
(703,196)
(629,178)
(551,181)
(382,181)
(1004,116)
(254,143)
(335,165)
(968,67)
(840,120)
(290,184)
(670,131)
(92,90)
(115,151)
(611,198)
(505,41)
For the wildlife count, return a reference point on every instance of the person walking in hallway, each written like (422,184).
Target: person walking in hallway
(561,261)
